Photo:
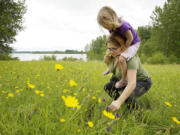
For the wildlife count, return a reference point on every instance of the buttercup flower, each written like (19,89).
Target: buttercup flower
(83,89)
(108,114)
(3,92)
(175,120)
(37,91)
(90,124)
(72,83)
(10,95)
(79,130)
(17,91)
(71,101)
(30,85)
(58,67)
(99,100)
(93,97)
(168,104)
(62,120)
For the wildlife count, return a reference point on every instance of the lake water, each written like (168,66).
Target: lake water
(31,56)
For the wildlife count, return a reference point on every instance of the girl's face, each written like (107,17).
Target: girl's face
(108,26)
(113,49)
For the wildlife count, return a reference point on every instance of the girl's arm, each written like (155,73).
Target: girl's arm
(129,38)
(131,76)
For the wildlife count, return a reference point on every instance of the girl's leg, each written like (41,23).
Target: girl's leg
(110,88)
(107,62)
(123,67)
(106,72)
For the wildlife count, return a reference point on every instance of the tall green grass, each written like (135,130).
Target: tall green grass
(28,113)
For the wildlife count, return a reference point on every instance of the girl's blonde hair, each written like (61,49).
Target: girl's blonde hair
(107,16)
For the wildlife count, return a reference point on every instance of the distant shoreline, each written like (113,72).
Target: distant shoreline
(50,52)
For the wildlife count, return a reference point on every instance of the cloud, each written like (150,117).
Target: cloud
(71,24)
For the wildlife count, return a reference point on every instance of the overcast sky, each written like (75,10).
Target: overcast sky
(71,24)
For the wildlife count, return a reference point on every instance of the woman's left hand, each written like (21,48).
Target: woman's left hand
(115,105)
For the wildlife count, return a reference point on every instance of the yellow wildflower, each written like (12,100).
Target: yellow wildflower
(71,101)
(31,85)
(3,92)
(79,130)
(58,67)
(62,120)
(37,91)
(175,120)
(108,114)
(99,100)
(21,89)
(90,124)
(83,89)
(168,104)
(109,123)
(17,91)
(78,107)
(72,83)
(10,95)
(93,97)
(42,94)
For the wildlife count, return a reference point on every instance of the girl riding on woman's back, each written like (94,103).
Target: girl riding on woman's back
(108,19)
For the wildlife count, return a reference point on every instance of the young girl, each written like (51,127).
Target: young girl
(108,19)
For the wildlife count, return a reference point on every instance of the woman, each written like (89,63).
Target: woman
(139,81)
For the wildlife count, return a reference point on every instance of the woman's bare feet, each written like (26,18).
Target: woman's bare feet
(121,83)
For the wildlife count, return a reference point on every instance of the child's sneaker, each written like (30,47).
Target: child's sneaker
(106,72)
(121,83)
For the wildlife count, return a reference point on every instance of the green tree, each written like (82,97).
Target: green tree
(11,19)
(166,24)
(96,49)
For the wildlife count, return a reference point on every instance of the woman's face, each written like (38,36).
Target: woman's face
(113,49)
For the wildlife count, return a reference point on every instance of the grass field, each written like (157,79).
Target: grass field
(34,100)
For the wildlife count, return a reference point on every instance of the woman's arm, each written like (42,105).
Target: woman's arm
(131,76)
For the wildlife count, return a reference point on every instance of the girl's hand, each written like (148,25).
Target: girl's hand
(115,105)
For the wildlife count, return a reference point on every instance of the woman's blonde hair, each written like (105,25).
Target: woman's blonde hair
(116,40)
(107,16)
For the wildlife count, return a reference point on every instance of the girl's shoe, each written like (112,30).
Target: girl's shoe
(121,83)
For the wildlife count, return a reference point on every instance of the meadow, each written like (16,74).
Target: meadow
(67,98)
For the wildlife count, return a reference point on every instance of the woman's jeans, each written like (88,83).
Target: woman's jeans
(141,88)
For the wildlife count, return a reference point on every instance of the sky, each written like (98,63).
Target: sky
(51,25)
